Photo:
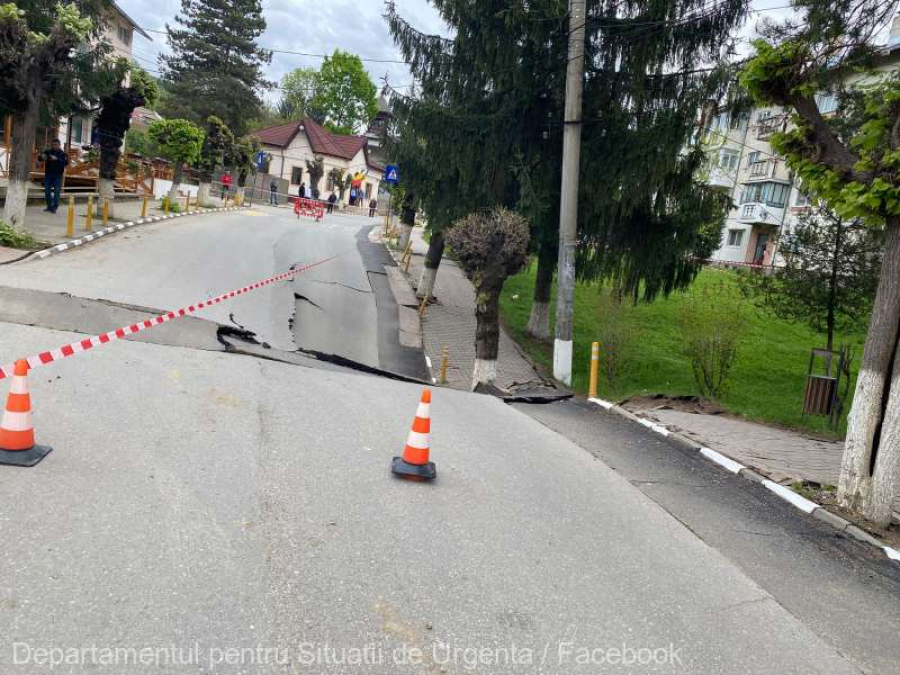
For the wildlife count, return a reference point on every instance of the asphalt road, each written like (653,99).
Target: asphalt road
(233,514)
(330,309)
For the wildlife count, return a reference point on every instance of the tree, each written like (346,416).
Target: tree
(215,66)
(299,89)
(829,276)
(178,141)
(242,156)
(345,95)
(850,161)
(316,169)
(37,64)
(114,121)
(337,178)
(485,126)
(489,247)
(217,141)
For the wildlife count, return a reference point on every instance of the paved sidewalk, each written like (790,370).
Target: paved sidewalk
(50,228)
(451,320)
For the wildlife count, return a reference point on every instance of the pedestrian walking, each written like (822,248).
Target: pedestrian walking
(332,198)
(226,183)
(373,206)
(55,161)
(273,192)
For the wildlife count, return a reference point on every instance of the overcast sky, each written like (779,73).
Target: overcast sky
(321,26)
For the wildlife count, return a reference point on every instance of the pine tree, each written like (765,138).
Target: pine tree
(215,67)
(485,128)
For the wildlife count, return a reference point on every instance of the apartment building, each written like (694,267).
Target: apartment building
(767,200)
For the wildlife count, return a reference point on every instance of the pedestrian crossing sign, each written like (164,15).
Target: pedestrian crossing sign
(391,174)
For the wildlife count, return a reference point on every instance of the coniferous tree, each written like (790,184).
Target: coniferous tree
(215,67)
(485,128)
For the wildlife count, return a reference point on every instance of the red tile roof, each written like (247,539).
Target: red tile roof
(322,141)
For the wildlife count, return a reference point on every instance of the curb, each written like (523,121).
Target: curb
(797,501)
(112,229)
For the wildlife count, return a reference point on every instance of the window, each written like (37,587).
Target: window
(125,35)
(803,198)
(772,194)
(329,184)
(368,190)
(77,130)
(827,103)
(753,158)
(735,237)
(296,175)
(728,159)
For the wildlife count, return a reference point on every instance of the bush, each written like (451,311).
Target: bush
(15,239)
(616,336)
(713,322)
(173,206)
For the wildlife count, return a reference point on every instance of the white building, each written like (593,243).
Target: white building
(291,145)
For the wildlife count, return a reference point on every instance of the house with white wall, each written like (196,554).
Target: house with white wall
(291,145)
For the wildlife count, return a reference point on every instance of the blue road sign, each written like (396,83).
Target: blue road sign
(260,160)
(391,174)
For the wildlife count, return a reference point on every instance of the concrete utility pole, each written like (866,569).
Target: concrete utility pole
(568,210)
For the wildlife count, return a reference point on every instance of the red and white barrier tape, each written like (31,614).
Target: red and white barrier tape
(44,358)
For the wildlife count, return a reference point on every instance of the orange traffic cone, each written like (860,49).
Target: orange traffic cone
(17,446)
(414,464)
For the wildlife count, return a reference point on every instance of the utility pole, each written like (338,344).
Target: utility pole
(568,210)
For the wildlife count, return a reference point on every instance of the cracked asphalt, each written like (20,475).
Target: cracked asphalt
(206,501)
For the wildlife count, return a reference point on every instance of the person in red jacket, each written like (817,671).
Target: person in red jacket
(226,183)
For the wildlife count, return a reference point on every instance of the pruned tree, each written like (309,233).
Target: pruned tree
(37,60)
(829,276)
(178,141)
(316,169)
(489,247)
(241,157)
(337,179)
(216,142)
(134,88)
(850,162)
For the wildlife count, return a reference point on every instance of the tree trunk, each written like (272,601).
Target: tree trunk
(539,321)
(23,132)
(203,194)
(106,188)
(487,333)
(176,182)
(873,427)
(433,258)
(405,234)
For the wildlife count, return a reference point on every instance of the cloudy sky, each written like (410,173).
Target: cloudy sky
(321,26)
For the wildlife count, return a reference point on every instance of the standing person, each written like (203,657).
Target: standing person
(55,162)
(273,192)
(373,206)
(226,183)
(332,198)
(301,193)
(309,192)
(352,196)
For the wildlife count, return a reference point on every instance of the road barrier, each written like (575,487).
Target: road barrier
(414,464)
(89,343)
(311,208)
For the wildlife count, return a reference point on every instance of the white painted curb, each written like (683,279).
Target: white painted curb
(789,495)
(725,462)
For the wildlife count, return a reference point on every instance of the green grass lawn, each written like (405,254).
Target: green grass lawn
(766,383)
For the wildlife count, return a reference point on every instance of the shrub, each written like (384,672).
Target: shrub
(712,325)
(615,335)
(15,239)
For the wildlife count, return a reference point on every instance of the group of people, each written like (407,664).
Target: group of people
(305,192)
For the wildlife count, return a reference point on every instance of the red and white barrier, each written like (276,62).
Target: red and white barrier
(312,208)
(89,343)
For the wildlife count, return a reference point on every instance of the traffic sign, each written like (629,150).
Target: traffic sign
(391,174)
(261,160)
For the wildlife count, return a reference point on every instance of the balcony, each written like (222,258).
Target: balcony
(769,125)
(719,178)
(763,169)
(760,213)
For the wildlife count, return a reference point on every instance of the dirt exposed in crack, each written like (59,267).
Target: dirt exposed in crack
(297,296)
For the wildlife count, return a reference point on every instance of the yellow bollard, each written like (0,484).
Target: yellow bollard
(422,307)
(144,207)
(70,220)
(445,360)
(90,214)
(407,257)
(166,205)
(105,212)
(595,369)
(187,203)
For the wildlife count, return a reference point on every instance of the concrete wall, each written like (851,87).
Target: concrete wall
(161,188)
